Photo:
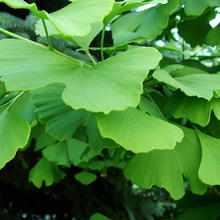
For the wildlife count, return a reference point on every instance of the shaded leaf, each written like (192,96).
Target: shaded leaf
(200,85)
(14,134)
(98,216)
(197,7)
(144,24)
(209,168)
(85,177)
(61,120)
(164,168)
(45,171)
(197,110)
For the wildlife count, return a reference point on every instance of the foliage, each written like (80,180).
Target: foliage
(135,107)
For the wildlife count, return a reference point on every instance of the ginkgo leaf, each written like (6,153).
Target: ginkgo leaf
(45,171)
(67,152)
(210,212)
(143,24)
(197,7)
(96,142)
(98,216)
(61,120)
(43,139)
(18,57)
(85,177)
(212,37)
(197,110)
(14,134)
(83,42)
(113,84)
(160,168)
(209,167)
(200,85)
(23,108)
(136,131)
(164,168)
(215,103)
(2,89)
(78,15)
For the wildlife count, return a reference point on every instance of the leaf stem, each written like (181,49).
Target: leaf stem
(47,35)
(90,57)
(10,34)
(102,42)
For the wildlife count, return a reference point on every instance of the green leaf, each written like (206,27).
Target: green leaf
(78,15)
(98,216)
(209,168)
(136,131)
(197,110)
(18,57)
(143,24)
(160,168)
(148,106)
(42,138)
(58,154)
(164,168)
(67,152)
(210,212)
(14,134)
(197,7)
(83,42)
(189,154)
(215,103)
(61,120)
(113,84)
(195,30)
(200,85)
(212,38)
(23,108)
(2,89)
(45,171)
(85,177)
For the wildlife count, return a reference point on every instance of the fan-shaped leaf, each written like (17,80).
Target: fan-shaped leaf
(136,131)
(200,85)
(45,171)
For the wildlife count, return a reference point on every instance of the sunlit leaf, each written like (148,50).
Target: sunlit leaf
(136,131)
(113,84)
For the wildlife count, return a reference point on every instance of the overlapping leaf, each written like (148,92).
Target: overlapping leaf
(197,110)
(61,120)
(72,20)
(164,168)
(143,24)
(14,134)
(67,152)
(197,7)
(136,131)
(200,85)
(113,84)
(26,66)
(209,168)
